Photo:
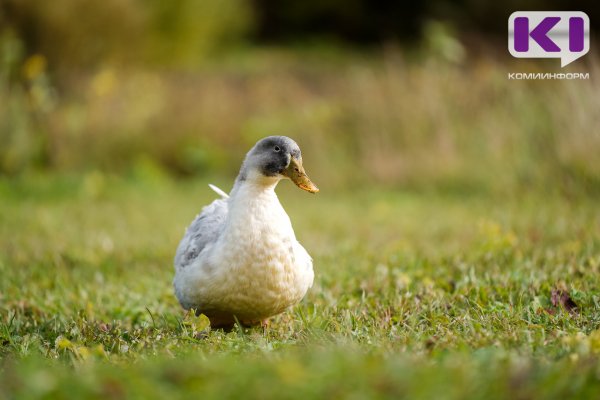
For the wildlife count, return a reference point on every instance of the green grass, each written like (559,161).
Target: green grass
(418,294)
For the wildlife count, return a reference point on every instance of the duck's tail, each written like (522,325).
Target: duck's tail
(218,191)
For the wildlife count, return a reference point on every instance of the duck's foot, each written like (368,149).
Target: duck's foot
(224,326)
(229,324)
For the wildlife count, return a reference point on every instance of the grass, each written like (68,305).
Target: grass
(418,294)
(456,240)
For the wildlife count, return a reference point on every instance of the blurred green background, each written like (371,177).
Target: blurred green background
(456,237)
(392,94)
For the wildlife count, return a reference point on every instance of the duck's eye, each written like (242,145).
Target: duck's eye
(277,149)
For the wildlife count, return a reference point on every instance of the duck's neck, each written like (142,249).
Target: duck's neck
(253,197)
(253,186)
(255,210)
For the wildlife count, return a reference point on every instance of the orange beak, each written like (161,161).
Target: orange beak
(296,173)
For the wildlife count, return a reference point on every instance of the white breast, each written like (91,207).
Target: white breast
(256,268)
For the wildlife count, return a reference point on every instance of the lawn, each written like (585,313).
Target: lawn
(456,237)
(419,293)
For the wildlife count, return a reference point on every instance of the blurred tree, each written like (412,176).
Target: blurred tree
(184,32)
(368,21)
(358,21)
(76,35)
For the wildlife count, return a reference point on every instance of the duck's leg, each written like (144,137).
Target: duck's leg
(226,323)
(264,323)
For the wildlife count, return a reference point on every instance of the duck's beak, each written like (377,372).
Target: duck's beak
(296,173)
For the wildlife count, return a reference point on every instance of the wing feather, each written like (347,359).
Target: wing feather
(204,230)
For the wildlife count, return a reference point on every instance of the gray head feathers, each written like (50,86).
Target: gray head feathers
(269,156)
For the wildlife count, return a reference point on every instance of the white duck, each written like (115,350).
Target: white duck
(240,258)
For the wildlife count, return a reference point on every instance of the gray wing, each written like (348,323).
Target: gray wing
(204,230)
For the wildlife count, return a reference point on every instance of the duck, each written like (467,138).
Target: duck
(239,259)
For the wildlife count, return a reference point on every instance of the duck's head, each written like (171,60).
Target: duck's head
(274,158)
